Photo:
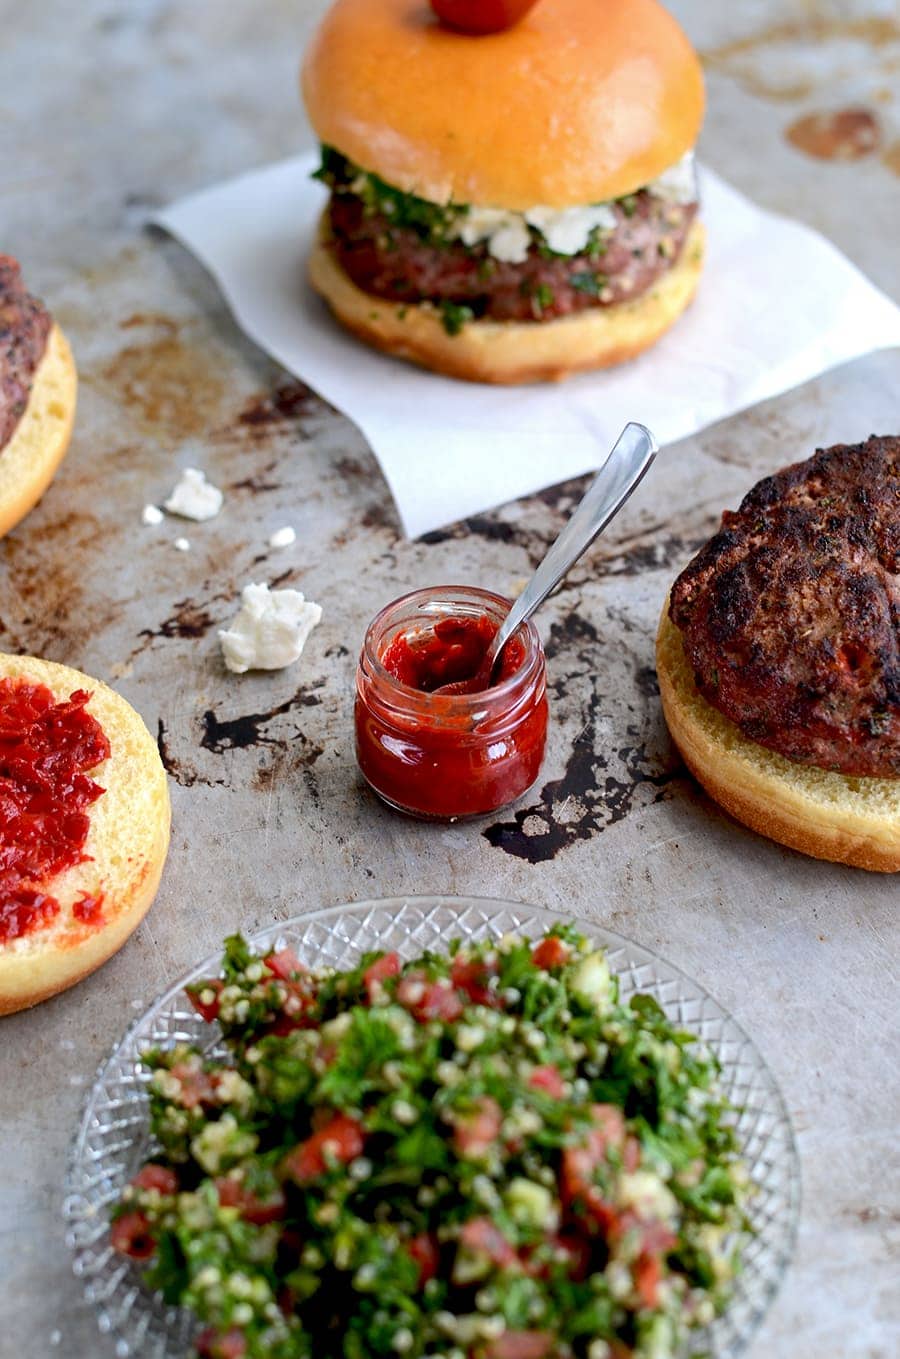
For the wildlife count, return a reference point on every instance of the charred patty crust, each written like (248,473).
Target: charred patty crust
(790,615)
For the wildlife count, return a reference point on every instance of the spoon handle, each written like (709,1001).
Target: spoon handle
(630,458)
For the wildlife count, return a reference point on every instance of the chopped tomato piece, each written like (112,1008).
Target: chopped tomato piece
(232,1194)
(481,16)
(479,1236)
(647,1274)
(208,1010)
(160,1178)
(471,976)
(229,1345)
(196,1085)
(286,1299)
(550,952)
(131,1235)
(548,1079)
(578,1249)
(579,1163)
(520,1345)
(284,1024)
(284,964)
(388,965)
(342,1138)
(427,1000)
(655,1237)
(476,1131)
(424,1251)
(631,1154)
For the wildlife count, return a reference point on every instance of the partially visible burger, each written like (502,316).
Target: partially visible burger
(38,387)
(84,827)
(779,657)
(511,206)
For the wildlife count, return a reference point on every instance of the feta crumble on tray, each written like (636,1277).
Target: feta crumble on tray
(194,497)
(270,630)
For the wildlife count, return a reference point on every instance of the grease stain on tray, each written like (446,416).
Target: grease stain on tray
(169,384)
(601,783)
(843,134)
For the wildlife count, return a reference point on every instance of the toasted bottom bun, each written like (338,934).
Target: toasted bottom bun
(38,445)
(510,351)
(848,820)
(127,842)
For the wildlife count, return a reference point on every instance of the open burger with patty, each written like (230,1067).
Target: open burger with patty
(509,206)
(779,657)
(38,388)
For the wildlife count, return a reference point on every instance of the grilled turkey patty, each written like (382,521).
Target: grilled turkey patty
(396,263)
(790,615)
(24,327)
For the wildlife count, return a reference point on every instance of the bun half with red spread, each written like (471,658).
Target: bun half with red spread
(779,657)
(38,387)
(84,826)
(512,206)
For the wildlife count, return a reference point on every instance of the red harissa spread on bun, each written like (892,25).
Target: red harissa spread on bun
(46,751)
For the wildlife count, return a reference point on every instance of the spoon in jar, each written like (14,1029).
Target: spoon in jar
(632,454)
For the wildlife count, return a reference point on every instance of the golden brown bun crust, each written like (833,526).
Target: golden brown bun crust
(510,351)
(128,839)
(853,821)
(582,101)
(38,445)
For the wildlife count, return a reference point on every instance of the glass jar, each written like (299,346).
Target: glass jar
(444,756)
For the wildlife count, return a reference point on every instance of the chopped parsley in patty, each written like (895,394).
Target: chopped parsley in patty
(478,1155)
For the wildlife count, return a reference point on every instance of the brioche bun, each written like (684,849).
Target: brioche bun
(127,844)
(580,102)
(845,819)
(510,351)
(39,441)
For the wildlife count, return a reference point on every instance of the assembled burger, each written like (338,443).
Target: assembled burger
(509,206)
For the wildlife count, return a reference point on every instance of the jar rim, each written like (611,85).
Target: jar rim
(457,705)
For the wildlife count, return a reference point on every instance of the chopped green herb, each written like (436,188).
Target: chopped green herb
(454,316)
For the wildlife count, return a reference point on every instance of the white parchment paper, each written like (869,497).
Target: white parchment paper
(777,305)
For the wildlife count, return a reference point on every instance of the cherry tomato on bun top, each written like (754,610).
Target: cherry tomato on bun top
(481,16)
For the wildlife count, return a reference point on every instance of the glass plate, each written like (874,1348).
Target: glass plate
(113,1138)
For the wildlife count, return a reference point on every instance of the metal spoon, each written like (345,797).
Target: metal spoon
(632,454)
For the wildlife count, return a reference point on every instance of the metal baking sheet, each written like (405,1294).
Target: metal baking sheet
(112,110)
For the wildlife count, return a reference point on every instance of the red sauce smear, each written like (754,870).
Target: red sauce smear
(451,653)
(46,749)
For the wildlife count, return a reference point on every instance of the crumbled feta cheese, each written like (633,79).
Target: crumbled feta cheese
(194,497)
(270,630)
(182,545)
(283,537)
(678,184)
(506,233)
(151,515)
(566,231)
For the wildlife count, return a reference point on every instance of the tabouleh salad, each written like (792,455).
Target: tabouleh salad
(483,1154)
